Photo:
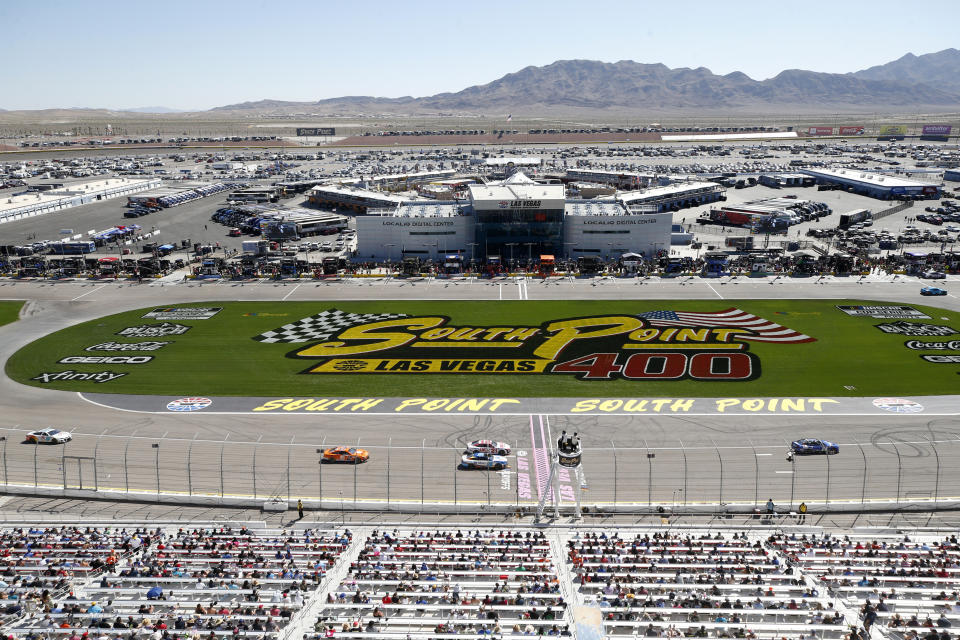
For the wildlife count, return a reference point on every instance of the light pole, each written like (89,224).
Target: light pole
(511,245)
(529,253)
(390,247)
(473,249)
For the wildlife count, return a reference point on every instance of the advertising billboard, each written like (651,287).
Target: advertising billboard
(316,131)
(851,131)
(820,131)
(893,130)
(937,129)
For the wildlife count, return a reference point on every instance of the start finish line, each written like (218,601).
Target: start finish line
(928,405)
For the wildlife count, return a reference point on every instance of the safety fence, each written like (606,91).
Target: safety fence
(420,476)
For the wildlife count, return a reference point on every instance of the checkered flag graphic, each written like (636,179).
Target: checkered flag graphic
(322,326)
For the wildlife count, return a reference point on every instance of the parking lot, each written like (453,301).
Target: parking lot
(190,224)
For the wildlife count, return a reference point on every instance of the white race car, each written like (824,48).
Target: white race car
(479,460)
(489,446)
(49,436)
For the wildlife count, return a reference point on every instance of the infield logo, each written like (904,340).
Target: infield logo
(154,330)
(916,329)
(105,360)
(656,345)
(99,377)
(127,346)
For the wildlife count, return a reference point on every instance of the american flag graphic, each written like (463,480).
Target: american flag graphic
(761,330)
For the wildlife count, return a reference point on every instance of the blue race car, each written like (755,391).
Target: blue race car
(933,291)
(480,460)
(814,446)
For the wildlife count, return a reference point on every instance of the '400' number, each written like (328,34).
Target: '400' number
(669,365)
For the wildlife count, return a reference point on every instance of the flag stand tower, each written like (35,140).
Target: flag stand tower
(567,455)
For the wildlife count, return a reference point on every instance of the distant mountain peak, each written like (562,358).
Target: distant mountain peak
(930,80)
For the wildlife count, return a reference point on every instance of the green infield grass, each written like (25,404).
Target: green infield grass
(848,356)
(9,311)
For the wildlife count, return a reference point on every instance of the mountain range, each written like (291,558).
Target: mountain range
(930,81)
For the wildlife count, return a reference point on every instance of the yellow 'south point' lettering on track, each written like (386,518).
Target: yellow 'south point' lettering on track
(773,405)
(429,365)
(466,405)
(336,405)
(634,405)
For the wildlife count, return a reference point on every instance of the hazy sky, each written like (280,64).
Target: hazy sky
(199,54)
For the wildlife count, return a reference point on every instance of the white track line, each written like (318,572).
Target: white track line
(292,291)
(88,293)
(714,290)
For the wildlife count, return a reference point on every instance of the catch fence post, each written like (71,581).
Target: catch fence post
(899,469)
(863,489)
(683,450)
(190,466)
(289,450)
(649,474)
(389,449)
(256,446)
(756,476)
(222,446)
(96,448)
(126,467)
(323,447)
(5,479)
(612,444)
(936,482)
(489,469)
(720,458)
(356,463)
(826,499)
(423,443)
(455,465)
(36,473)
(156,448)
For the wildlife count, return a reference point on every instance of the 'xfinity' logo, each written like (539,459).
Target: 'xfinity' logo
(102,376)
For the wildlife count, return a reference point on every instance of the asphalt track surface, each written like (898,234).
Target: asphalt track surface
(696,459)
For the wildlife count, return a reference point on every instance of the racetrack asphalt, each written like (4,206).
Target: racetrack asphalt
(696,459)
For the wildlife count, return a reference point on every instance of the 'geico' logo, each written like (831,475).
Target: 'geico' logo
(942,359)
(105,359)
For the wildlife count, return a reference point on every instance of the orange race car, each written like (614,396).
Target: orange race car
(346,454)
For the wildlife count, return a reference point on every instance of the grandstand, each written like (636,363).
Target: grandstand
(245,580)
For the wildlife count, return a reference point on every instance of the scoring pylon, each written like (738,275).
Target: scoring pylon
(567,455)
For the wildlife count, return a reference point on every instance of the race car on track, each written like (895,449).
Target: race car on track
(480,460)
(49,436)
(489,446)
(346,454)
(933,291)
(813,446)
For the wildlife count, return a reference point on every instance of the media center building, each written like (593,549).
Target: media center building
(516,220)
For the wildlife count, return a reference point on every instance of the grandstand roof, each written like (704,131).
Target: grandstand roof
(656,193)
(872,179)
(517,187)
